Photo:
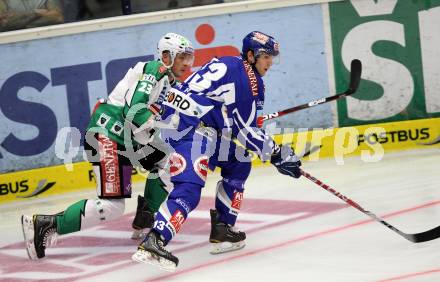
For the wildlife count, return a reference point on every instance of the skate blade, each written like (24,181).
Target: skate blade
(27,226)
(224,247)
(139,233)
(147,257)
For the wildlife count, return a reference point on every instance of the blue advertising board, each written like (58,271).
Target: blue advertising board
(48,84)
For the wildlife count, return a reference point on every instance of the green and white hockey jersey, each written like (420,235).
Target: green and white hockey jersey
(127,109)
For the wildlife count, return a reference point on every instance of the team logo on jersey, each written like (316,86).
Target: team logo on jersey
(177,220)
(237,200)
(201,167)
(177,164)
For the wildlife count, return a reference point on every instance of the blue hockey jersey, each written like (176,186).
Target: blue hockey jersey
(225,95)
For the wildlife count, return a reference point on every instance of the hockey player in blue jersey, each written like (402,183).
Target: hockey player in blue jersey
(213,107)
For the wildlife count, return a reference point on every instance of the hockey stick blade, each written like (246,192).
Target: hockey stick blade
(355,76)
(415,238)
(423,236)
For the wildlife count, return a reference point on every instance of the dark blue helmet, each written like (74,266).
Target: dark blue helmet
(259,42)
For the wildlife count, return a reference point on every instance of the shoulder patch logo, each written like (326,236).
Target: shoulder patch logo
(103,120)
(177,164)
(117,128)
(201,167)
(162,69)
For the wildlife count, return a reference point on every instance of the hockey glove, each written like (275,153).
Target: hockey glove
(286,162)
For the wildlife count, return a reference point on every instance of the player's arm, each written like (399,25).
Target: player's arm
(138,111)
(258,141)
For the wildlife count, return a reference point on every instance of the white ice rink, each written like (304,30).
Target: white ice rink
(296,231)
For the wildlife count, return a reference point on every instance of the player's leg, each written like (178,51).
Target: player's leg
(154,194)
(113,179)
(229,195)
(168,221)
(188,173)
(157,187)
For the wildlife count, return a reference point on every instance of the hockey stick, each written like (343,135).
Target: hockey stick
(355,78)
(415,238)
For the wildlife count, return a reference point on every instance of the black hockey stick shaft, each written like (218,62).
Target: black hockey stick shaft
(415,238)
(355,78)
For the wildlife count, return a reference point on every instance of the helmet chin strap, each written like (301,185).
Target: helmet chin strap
(169,67)
(173,77)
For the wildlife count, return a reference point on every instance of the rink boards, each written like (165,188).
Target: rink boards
(369,142)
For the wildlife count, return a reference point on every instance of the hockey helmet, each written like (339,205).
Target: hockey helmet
(175,44)
(258,42)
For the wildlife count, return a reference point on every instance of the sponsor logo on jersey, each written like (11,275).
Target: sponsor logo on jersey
(149,77)
(201,167)
(253,83)
(109,166)
(237,200)
(170,96)
(177,164)
(184,205)
(177,220)
(185,104)
(178,101)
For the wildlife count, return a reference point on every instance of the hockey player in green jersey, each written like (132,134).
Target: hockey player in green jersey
(120,135)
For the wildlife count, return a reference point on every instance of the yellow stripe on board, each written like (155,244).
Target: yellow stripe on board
(367,140)
(54,180)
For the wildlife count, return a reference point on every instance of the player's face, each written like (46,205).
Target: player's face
(263,63)
(182,62)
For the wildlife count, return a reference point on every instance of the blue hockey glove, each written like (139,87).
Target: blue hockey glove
(286,162)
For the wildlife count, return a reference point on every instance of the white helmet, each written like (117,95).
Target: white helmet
(174,44)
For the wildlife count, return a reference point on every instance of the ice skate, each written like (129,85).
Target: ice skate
(39,232)
(143,220)
(223,237)
(152,251)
